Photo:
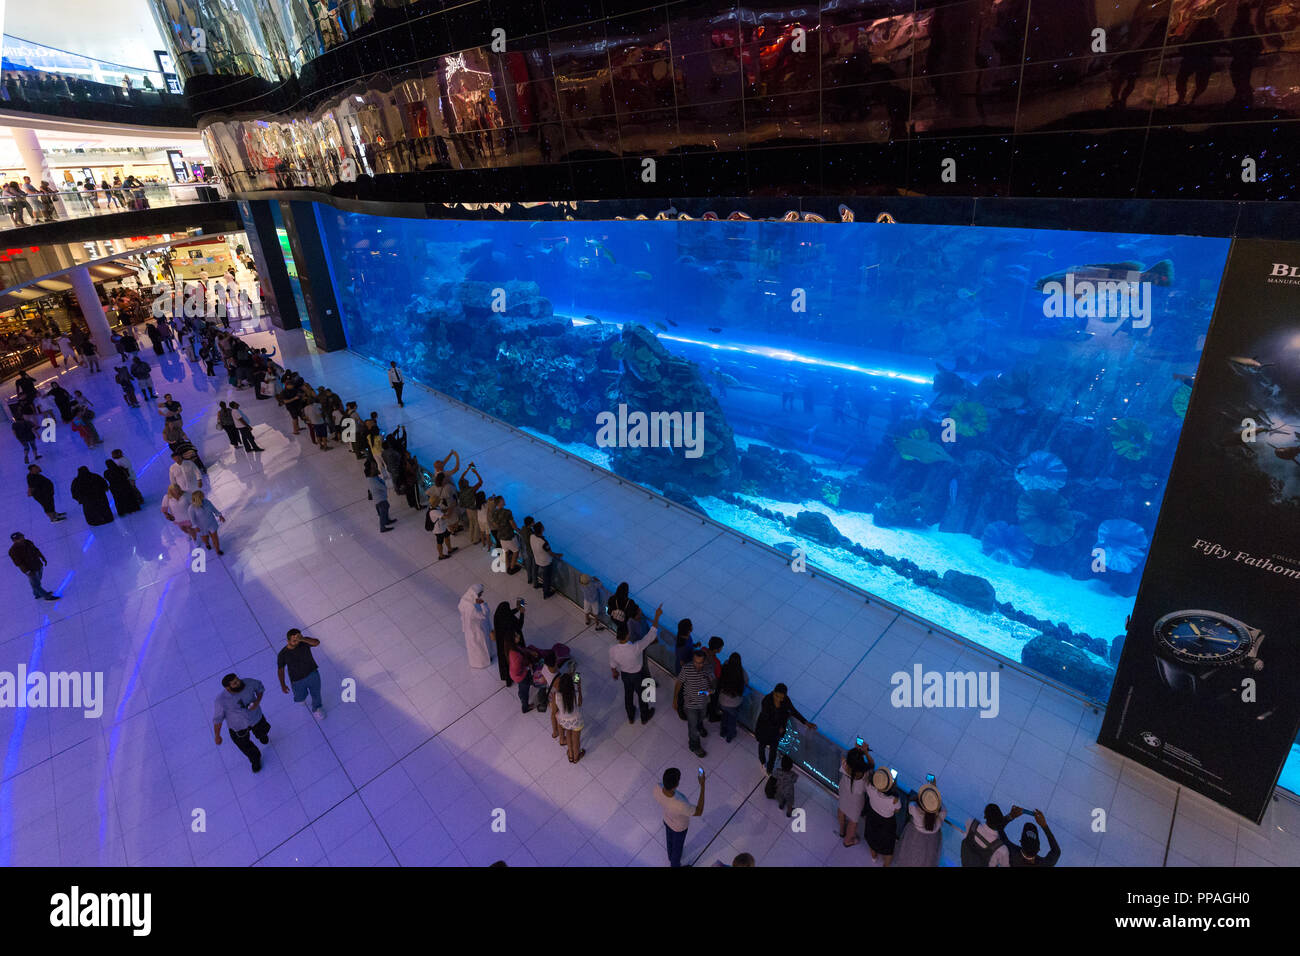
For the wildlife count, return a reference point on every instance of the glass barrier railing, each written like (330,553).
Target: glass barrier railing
(812,751)
(39,78)
(30,208)
(817,755)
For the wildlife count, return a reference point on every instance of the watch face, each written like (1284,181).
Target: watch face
(1203,637)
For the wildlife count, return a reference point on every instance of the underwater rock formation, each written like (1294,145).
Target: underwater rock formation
(1069,665)
(653,380)
(968,589)
(817,527)
(676,493)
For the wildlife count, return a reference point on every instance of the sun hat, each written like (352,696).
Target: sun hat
(928,799)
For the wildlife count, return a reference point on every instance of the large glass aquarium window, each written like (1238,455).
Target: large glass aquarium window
(975,424)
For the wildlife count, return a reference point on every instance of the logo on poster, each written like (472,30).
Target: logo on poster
(1284,274)
(1150,739)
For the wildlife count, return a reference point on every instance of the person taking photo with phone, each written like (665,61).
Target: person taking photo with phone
(677,811)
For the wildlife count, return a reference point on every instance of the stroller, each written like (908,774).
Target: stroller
(563,660)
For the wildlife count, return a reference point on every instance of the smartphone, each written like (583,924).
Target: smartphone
(929,778)
(701,771)
(577,678)
(893,774)
(704,693)
(523,603)
(860,741)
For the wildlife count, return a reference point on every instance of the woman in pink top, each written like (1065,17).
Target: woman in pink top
(521,670)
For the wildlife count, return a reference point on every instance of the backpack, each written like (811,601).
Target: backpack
(975,851)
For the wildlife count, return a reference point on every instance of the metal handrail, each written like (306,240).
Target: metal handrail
(868,597)
(564,574)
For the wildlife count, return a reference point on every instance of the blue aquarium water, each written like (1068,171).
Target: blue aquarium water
(901,402)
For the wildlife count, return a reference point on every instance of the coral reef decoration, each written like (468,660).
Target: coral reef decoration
(1007,543)
(653,378)
(1123,544)
(971,417)
(1045,517)
(1181,397)
(1042,471)
(1131,438)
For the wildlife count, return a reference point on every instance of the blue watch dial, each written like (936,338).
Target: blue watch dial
(1203,637)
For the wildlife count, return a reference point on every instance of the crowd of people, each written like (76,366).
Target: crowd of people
(24,199)
(40,202)
(709,686)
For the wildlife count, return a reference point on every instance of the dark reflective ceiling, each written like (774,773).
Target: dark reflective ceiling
(619,99)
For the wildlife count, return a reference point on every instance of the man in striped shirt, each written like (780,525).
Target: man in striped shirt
(695,683)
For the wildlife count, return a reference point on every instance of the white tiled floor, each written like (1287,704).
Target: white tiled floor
(413,772)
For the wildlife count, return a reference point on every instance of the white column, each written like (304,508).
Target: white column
(33,157)
(83,287)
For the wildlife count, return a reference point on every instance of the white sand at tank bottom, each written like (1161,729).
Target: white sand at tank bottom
(597,456)
(993,631)
(1086,606)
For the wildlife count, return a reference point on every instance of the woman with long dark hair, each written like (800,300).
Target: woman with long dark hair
(921,841)
(521,661)
(619,603)
(566,705)
(731,692)
(852,795)
(507,622)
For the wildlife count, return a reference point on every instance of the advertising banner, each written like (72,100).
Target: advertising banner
(1205,693)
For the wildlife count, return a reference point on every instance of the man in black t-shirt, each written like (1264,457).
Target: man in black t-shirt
(1026,854)
(303,673)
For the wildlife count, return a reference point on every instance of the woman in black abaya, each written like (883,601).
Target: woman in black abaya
(125,495)
(506,624)
(91,492)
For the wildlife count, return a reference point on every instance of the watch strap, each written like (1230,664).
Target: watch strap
(1177,677)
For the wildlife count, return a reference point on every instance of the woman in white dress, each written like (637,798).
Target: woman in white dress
(476,622)
(852,795)
(566,706)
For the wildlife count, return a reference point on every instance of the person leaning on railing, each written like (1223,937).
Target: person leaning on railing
(773,715)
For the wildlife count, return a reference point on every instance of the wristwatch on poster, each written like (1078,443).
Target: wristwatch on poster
(1194,648)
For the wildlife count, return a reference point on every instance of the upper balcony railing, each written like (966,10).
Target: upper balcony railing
(36,78)
(33,208)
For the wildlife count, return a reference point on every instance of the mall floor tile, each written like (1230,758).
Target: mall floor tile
(433,764)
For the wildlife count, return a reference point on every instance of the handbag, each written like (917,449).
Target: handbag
(428,522)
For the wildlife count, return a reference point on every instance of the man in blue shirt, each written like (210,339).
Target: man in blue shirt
(239,706)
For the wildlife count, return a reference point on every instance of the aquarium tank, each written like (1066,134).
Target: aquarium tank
(946,417)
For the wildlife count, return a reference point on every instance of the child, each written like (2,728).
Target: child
(436,521)
(591,600)
(785,778)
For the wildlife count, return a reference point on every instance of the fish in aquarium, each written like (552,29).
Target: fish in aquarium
(827,428)
(1161,274)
